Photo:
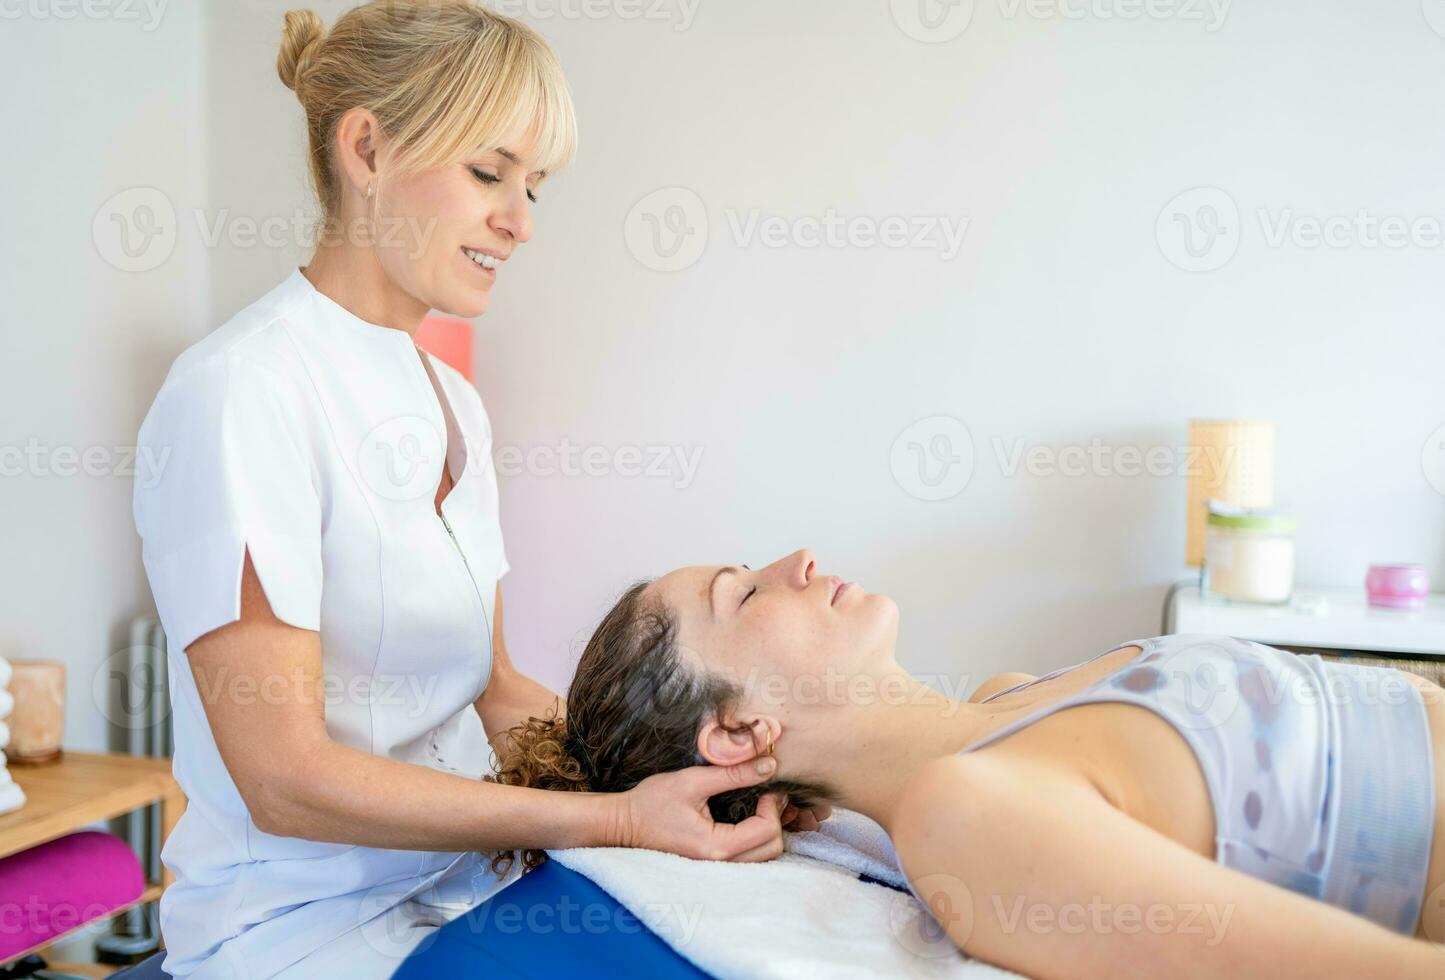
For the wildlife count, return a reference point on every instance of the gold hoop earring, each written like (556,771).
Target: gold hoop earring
(368,190)
(770,741)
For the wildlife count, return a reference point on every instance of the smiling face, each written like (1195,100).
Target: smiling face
(443,235)
(779,631)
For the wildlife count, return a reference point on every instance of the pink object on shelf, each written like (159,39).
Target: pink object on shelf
(1403,586)
(61,884)
(450,340)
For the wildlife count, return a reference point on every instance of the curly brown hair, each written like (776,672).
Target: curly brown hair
(633,710)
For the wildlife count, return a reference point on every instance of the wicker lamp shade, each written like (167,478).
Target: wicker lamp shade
(1231,461)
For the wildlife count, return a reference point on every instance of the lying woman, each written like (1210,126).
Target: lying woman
(1267,814)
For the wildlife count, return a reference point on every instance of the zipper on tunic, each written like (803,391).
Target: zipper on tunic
(468,565)
(475,587)
(470,576)
(447,524)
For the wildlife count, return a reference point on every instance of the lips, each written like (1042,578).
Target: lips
(483,260)
(499,256)
(835,586)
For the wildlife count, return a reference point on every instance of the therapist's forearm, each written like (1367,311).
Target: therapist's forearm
(346,796)
(511,697)
(510,701)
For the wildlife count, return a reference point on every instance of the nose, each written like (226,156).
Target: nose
(796,570)
(514,219)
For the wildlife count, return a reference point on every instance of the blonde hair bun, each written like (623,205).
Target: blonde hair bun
(304,29)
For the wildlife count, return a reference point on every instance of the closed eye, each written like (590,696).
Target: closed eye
(748,596)
(487,178)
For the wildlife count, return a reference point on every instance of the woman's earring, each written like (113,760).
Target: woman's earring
(368,190)
(770,741)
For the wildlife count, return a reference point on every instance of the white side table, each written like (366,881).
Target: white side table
(1338,625)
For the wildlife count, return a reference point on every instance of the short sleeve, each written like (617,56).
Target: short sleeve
(231,468)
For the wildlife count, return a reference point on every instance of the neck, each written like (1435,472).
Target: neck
(350,276)
(870,755)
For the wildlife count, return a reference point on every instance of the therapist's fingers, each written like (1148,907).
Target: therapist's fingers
(799,820)
(807,818)
(712,780)
(768,814)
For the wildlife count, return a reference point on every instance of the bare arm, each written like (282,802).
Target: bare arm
(511,697)
(260,680)
(1033,870)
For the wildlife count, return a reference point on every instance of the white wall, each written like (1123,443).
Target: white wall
(1059,322)
(94,106)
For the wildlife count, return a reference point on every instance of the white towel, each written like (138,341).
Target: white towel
(853,841)
(804,914)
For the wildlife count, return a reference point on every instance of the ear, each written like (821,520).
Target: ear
(358,140)
(724,748)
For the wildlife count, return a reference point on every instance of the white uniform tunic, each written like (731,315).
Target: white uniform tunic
(314,439)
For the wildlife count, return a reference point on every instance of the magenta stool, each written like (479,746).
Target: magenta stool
(59,886)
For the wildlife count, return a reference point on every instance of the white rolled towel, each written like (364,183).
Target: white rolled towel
(12,797)
(4,734)
(7,703)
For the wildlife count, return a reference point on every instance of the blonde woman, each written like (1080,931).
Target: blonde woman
(324,546)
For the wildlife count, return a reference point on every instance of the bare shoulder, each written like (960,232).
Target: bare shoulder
(974,789)
(999,682)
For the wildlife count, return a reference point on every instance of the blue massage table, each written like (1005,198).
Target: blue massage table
(552,922)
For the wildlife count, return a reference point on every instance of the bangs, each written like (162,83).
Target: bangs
(502,88)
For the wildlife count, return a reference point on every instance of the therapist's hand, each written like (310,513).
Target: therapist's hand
(805,818)
(668,812)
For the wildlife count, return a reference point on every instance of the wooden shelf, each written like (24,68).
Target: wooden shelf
(83,788)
